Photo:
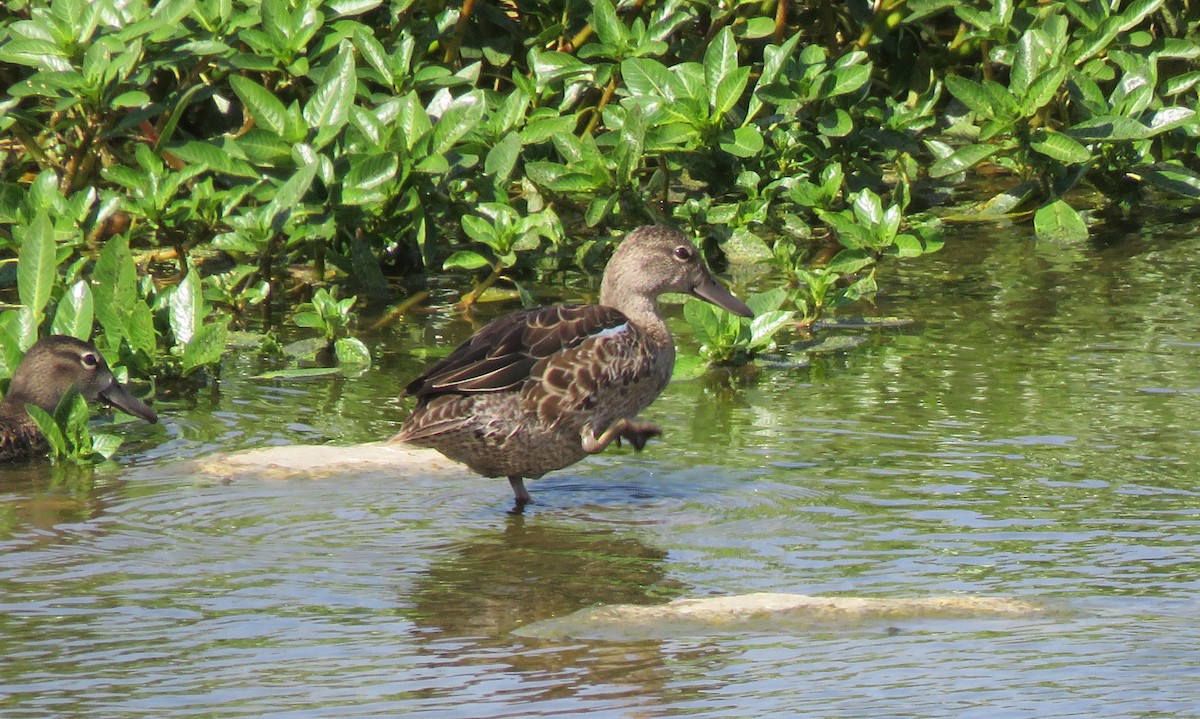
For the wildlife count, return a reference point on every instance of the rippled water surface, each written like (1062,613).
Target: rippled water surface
(1033,434)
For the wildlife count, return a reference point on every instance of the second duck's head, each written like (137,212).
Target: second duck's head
(56,363)
(654,260)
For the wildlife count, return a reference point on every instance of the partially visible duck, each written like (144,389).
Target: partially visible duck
(540,389)
(49,369)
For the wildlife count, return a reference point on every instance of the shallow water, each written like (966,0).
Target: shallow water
(1032,435)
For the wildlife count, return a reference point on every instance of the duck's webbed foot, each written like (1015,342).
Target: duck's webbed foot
(638,433)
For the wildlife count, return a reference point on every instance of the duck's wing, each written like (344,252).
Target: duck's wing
(501,356)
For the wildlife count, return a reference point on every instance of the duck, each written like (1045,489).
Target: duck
(49,369)
(540,389)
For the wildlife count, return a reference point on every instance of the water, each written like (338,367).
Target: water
(1032,435)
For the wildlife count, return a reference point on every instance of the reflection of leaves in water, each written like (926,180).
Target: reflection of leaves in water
(41,496)
(532,571)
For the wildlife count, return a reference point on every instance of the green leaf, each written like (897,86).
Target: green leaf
(962,159)
(688,367)
(106,445)
(328,110)
(645,77)
(1174,178)
(114,280)
(370,171)
(746,141)
(1110,128)
(729,92)
(1057,221)
(206,347)
(609,28)
(266,109)
(352,352)
(720,63)
(37,265)
(849,261)
(465,260)
(462,116)
(49,428)
(187,308)
(767,301)
(765,326)
(1058,146)
(971,94)
(502,158)
(835,123)
(133,98)
(308,320)
(74,314)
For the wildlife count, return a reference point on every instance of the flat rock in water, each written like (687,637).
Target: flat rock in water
(768,612)
(831,345)
(316,461)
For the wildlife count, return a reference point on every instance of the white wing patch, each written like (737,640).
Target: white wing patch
(611,331)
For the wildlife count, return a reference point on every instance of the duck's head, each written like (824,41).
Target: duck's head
(654,260)
(57,362)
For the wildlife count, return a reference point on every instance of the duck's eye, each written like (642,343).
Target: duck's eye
(683,252)
(89,360)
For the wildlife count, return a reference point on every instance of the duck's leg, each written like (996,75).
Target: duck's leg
(522,494)
(636,432)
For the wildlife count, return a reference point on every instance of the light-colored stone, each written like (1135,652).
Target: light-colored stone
(764,612)
(317,461)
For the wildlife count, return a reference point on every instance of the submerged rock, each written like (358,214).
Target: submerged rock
(316,461)
(769,612)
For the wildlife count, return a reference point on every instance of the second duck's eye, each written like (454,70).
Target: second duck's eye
(683,252)
(89,360)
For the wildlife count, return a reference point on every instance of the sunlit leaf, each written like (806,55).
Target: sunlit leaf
(1058,146)
(74,314)
(36,264)
(1057,221)
(465,260)
(964,158)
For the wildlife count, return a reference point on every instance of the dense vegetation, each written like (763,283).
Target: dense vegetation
(170,169)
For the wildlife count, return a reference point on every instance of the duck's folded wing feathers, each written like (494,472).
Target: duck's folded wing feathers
(501,356)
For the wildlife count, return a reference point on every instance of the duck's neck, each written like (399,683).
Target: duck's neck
(642,311)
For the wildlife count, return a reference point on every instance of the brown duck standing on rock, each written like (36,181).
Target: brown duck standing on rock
(49,369)
(540,389)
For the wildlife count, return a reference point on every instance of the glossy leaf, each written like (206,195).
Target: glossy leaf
(962,159)
(75,312)
(1059,222)
(206,347)
(1058,146)
(36,265)
(186,308)
(266,109)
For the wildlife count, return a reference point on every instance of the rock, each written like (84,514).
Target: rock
(316,461)
(763,612)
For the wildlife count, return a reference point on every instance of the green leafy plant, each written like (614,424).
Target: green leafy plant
(68,437)
(727,339)
(333,317)
(504,233)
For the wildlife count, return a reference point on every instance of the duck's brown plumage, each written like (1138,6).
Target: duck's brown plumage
(539,389)
(51,367)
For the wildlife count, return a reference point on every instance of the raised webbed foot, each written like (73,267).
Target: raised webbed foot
(638,433)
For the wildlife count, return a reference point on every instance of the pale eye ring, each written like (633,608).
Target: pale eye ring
(90,360)
(683,252)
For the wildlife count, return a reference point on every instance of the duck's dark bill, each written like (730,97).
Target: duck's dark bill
(712,291)
(117,396)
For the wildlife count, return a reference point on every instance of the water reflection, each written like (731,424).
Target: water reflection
(535,569)
(476,591)
(37,497)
